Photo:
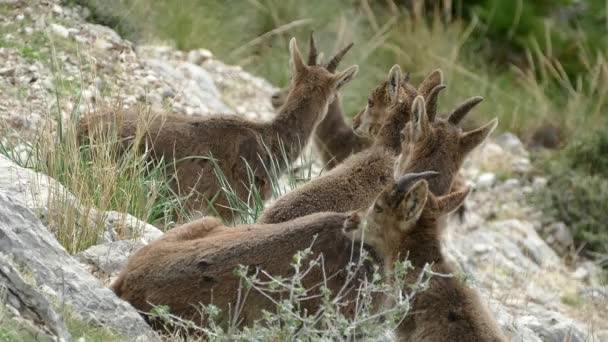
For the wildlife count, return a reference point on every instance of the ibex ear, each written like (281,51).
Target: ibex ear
(393,83)
(295,60)
(414,202)
(346,76)
(452,201)
(471,139)
(419,117)
(433,79)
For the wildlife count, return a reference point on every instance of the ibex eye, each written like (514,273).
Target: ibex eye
(370,103)
(377,208)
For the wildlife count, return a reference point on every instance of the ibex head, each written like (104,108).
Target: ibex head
(314,72)
(393,212)
(369,121)
(438,144)
(397,212)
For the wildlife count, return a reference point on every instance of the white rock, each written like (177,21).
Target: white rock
(57,9)
(59,30)
(486,180)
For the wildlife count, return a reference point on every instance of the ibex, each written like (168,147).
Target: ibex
(368,122)
(334,139)
(230,140)
(355,183)
(194,264)
(403,223)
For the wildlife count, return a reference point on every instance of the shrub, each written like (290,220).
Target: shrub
(289,323)
(577,191)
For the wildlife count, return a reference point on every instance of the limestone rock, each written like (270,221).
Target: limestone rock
(27,241)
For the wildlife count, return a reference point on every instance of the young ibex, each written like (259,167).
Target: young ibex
(232,140)
(403,223)
(439,144)
(429,145)
(194,264)
(357,181)
(334,139)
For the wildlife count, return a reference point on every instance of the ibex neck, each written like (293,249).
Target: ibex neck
(389,136)
(333,122)
(423,245)
(295,122)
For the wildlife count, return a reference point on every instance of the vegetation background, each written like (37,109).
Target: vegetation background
(541,66)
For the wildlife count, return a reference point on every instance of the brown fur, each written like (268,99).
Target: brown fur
(355,182)
(439,144)
(194,263)
(405,223)
(231,139)
(334,139)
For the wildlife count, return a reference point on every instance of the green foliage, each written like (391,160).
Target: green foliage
(577,190)
(512,27)
(289,322)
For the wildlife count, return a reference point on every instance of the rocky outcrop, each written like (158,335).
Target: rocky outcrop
(27,304)
(60,277)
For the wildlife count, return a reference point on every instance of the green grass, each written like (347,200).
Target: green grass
(577,191)
(385,34)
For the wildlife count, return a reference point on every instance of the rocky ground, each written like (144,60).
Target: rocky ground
(54,61)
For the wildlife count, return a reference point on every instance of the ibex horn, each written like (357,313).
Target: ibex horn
(312,53)
(404,183)
(461,111)
(332,65)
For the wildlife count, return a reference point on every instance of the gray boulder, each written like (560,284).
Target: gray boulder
(28,304)
(27,241)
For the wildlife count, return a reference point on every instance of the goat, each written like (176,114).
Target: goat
(194,264)
(403,223)
(233,142)
(436,145)
(334,139)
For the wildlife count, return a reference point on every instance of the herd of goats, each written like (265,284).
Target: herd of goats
(393,179)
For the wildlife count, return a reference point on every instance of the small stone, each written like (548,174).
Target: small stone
(486,180)
(168,94)
(60,30)
(512,183)
(511,143)
(7,72)
(479,248)
(581,273)
(539,183)
(57,9)
(20,17)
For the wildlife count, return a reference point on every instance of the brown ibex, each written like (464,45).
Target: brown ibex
(436,145)
(354,183)
(230,140)
(334,139)
(403,223)
(194,264)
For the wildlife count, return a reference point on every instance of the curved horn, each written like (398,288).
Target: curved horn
(459,113)
(312,53)
(404,182)
(332,65)
(431,101)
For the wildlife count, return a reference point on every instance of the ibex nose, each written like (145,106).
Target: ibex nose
(276,96)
